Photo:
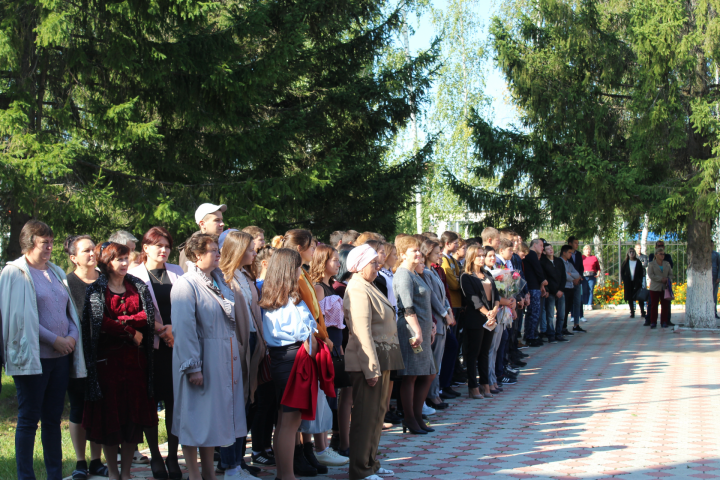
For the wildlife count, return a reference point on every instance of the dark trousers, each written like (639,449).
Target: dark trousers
(41,398)
(569,302)
(655,299)
(447,367)
(265,417)
(533,315)
(476,350)
(369,405)
(632,306)
(500,358)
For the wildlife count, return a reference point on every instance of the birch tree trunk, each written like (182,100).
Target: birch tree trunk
(699,306)
(597,242)
(643,237)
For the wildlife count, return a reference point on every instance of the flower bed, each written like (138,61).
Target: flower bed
(612,294)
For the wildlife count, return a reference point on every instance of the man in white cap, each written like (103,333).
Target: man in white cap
(209,218)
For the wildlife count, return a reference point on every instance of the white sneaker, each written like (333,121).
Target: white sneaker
(331,458)
(244,475)
(372,477)
(427,410)
(238,475)
(582,319)
(384,472)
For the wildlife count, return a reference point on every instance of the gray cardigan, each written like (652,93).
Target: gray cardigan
(440,304)
(412,295)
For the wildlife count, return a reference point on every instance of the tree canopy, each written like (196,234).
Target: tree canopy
(619,107)
(130,114)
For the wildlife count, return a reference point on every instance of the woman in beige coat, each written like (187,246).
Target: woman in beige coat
(658,272)
(372,351)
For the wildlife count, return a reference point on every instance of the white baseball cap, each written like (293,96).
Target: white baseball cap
(206,208)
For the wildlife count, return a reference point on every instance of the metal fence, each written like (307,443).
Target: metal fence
(611,256)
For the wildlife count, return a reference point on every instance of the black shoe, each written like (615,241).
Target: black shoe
(524,355)
(263,458)
(344,453)
(561,339)
(671,324)
(632,314)
(665,325)
(552,340)
(249,468)
(446,396)
(647,323)
(414,432)
(436,406)
(567,333)
(643,314)
(81,471)
(653,326)
(97,468)
(494,392)
(536,342)
(507,380)
(157,467)
(578,328)
(519,363)
(451,391)
(301,466)
(390,417)
(309,453)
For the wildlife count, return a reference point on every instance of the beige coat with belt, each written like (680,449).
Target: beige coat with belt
(371,321)
(656,275)
(250,362)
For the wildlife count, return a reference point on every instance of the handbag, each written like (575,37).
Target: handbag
(642,294)
(342,379)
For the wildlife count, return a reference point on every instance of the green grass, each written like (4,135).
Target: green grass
(8,422)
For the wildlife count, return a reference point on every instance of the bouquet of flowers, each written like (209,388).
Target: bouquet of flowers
(509,283)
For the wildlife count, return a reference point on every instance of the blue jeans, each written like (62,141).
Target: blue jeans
(231,457)
(549,316)
(589,294)
(560,322)
(41,398)
(533,315)
(577,303)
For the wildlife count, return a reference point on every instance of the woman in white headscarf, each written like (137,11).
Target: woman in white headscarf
(372,351)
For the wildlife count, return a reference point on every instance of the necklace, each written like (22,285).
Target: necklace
(159,280)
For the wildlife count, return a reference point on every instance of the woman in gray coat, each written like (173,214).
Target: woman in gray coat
(414,313)
(207,373)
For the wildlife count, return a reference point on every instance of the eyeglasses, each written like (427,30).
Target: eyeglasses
(103,247)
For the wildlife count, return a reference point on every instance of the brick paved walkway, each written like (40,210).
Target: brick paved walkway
(621,401)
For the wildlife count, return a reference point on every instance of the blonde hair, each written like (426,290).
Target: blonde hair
(277,242)
(404,243)
(234,248)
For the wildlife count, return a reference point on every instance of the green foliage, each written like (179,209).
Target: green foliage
(619,115)
(130,114)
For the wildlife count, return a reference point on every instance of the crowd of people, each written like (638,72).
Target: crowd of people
(290,340)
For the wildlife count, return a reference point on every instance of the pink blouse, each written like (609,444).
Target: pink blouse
(332,309)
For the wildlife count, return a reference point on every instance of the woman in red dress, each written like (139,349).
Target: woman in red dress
(118,329)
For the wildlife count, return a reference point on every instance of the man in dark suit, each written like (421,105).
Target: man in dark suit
(556,277)
(577,262)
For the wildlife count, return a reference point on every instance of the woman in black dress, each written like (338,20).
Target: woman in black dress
(159,276)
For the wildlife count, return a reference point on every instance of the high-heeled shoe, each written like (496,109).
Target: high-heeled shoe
(173,475)
(413,431)
(159,474)
(427,429)
(476,396)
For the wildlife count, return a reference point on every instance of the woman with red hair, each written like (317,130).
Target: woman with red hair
(117,330)
(159,277)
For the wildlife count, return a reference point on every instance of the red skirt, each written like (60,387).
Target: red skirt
(125,409)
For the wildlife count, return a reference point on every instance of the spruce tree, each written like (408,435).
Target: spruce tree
(619,108)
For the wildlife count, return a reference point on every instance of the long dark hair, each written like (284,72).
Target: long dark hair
(627,256)
(281,280)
